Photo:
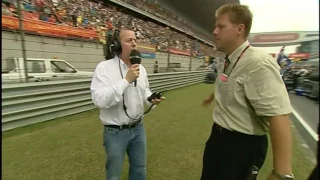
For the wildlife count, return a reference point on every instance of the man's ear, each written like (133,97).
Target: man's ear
(241,28)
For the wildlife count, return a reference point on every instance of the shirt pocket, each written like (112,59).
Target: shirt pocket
(238,85)
(224,90)
(139,92)
(229,90)
(237,90)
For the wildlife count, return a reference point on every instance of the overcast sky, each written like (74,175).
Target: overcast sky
(283,15)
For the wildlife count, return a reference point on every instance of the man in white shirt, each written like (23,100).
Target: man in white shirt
(121,105)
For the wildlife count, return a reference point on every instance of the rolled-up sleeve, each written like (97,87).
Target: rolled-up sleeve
(266,91)
(104,94)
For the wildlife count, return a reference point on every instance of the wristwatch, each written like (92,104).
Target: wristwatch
(282,176)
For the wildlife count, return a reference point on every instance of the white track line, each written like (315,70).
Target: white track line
(305,125)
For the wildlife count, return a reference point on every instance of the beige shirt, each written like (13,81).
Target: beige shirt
(253,91)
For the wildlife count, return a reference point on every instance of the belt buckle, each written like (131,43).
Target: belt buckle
(133,124)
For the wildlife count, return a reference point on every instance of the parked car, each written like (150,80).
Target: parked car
(13,70)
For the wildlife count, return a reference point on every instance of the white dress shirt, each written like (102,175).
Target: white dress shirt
(107,87)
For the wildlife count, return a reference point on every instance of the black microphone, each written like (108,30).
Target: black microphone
(135,58)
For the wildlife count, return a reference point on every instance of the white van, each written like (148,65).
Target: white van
(13,70)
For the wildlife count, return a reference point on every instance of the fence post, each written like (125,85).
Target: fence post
(168,49)
(23,46)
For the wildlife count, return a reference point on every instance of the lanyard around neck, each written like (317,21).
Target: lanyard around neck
(236,61)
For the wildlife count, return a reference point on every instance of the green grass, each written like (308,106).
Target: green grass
(70,148)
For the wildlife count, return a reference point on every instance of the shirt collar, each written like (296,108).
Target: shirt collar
(117,58)
(236,53)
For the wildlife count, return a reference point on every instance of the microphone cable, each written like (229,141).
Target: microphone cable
(125,107)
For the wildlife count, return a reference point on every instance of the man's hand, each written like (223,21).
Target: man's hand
(133,73)
(157,101)
(206,102)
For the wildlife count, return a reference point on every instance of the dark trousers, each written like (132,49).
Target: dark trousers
(230,155)
(315,174)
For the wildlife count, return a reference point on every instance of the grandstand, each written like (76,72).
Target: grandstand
(91,20)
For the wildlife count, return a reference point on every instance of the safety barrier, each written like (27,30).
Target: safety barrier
(29,103)
(311,88)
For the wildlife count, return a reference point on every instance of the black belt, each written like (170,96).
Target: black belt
(125,126)
(223,130)
(220,129)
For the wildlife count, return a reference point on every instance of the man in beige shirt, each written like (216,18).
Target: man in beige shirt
(250,99)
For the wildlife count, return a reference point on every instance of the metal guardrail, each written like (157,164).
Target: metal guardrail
(29,103)
(311,88)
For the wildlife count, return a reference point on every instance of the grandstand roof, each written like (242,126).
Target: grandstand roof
(200,11)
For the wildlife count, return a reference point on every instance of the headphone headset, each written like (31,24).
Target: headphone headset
(115,47)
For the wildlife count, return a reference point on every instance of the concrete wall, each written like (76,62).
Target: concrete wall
(162,61)
(83,55)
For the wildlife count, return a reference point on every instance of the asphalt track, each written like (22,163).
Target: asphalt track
(305,118)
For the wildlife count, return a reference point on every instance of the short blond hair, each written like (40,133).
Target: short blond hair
(239,14)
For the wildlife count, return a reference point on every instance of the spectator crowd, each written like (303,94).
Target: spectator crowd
(101,17)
